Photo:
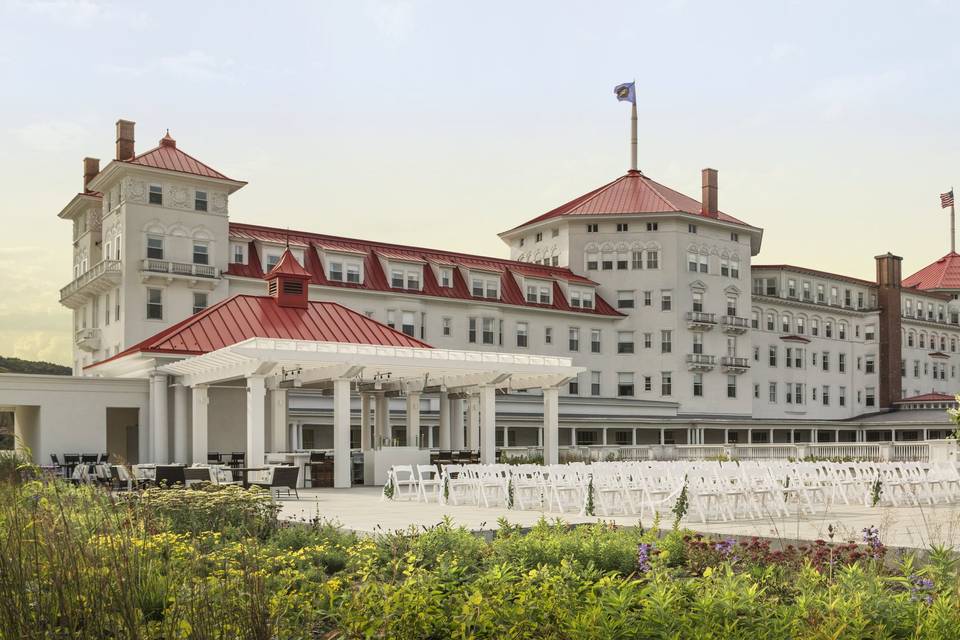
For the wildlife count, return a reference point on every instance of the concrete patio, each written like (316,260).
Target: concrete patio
(360,509)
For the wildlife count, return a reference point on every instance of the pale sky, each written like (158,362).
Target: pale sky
(440,123)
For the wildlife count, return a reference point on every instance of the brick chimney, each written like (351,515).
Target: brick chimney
(888,299)
(709,188)
(91,167)
(125,139)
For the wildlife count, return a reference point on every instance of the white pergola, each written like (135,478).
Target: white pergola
(372,371)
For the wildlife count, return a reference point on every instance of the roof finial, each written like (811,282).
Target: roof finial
(288,237)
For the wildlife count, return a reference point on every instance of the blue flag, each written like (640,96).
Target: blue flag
(626,92)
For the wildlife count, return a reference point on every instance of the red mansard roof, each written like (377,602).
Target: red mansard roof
(633,193)
(377,280)
(244,316)
(168,156)
(928,397)
(942,274)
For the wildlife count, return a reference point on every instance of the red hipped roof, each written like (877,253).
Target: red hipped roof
(633,193)
(244,316)
(376,279)
(942,274)
(928,397)
(168,156)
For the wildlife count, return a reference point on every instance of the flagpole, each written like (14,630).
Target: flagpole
(633,136)
(953,230)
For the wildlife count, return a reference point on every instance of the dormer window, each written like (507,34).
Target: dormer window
(239,253)
(581,299)
(396,278)
(353,273)
(155,247)
(272,259)
(446,277)
(156,194)
(200,201)
(538,294)
(486,288)
(405,277)
(336,271)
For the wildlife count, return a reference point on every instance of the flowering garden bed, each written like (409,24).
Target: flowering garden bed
(78,563)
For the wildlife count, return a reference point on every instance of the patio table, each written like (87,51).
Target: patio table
(246,473)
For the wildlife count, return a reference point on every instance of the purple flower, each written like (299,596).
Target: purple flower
(922,589)
(643,557)
(871,536)
(726,547)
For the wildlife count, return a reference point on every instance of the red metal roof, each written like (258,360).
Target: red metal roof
(633,193)
(244,316)
(813,272)
(928,397)
(168,156)
(288,266)
(942,274)
(377,280)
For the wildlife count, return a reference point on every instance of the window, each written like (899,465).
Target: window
(396,279)
(666,300)
(828,329)
(755,320)
(636,259)
(156,194)
(106,309)
(446,277)
(806,291)
(870,365)
(652,226)
(154,304)
(538,237)
(406,323)
(847,299)
(734,237)
(488,331)
(647,298)
(825,395)
(859,299)
(666,341)
(593,262)
(413,280)
(647,383)
(622,261)
(788,357)
(731,386)
(554,232)
(869,333)
(201,253)
(593,228)
(531,293)
(623,226)
(666,383)
(624,299)
(691,228)
(735,267)
(594,340)
(871,397)
(731,305)
(446,327)
(820,296)
(116,305)
(697,302)
(594,383)
(801,325)
(548,335)
(573,388)
(692,261)
(522,329)
(199,301)
(785,324)
(756,391)
(772,392)
(791,288)
(625,384)
(155,247)
(200,201)
(724,266)
(834,296)
(842,362)
(770,322)
(773,355)
(574,339)
(825,360)
(117,246)
(625,342)
(353,273)
(239,253)
(698,342)
(698,385)
(756,353)
(653,259)
(842,396)
(815,327)
(704,264)
(842,331)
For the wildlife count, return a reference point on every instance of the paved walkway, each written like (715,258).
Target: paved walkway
(361,509)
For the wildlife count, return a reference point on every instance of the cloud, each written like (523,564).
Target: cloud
(842,95)
(74,13)
(190,65)
(52,136)
(782,51)
(40,345)
(393,19)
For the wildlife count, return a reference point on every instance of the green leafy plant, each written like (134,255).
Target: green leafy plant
(589,507)
(680,506)
(876,491)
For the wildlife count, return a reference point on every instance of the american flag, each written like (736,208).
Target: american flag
(946,199)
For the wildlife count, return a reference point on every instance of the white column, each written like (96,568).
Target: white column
(603,433)
(488,424)
(663,437)
(813,435)
(925,433)
(413,419)
(278,420)
(573,436)
(446,435)
(539,436)
(749,436)
(181,412)
(770,439)
(159,429)
(726,436)
(473,422)
(256,421)
(836,435)
(456,423)
(633,436)
(364,421)
(430,437)
(382,417)
(793,437)
(200,438)
(506,436)
(551,426)
(341,433)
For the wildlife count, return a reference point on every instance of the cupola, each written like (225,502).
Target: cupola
(287,282)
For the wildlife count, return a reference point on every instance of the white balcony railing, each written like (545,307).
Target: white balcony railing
(99,278)
(701,320)
(180,268)
(734,363)
(700,361)
(88,339)
(734,324)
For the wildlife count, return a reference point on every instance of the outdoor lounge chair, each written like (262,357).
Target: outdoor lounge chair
(283,478)
(170,476)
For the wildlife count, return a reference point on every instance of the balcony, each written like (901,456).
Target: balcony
(198,275)
(699,321)
(700,362)
(102,277)
(88,339)
(734,364)
(734,325)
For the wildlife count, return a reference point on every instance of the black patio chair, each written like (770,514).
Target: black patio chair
(119,484)
(317,460)
(89,458)
(103,458)
(237,459)
(284,479)
(213,458)
(169,476)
